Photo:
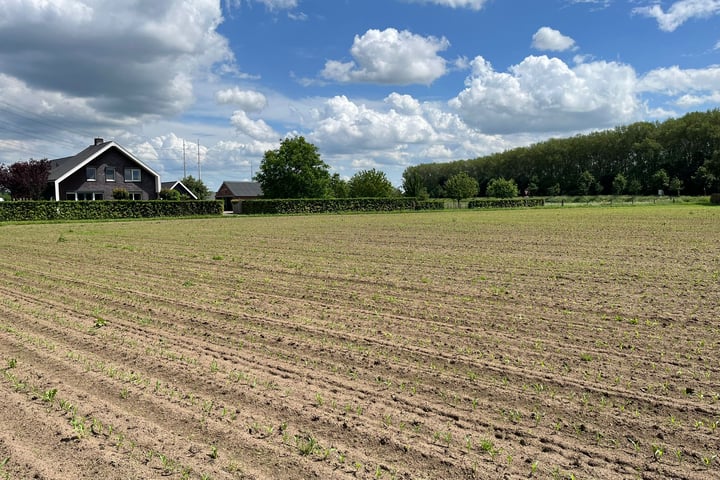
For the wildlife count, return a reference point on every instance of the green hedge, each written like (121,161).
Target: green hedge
(326,205)
(715,198)
(86,210)
(506,203)
(430,205)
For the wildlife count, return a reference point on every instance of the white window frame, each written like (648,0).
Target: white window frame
(94,196)
(110,178)
(130,175)
(88,177)
(135,195)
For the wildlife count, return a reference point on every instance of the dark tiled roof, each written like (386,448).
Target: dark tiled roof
(244,189)
(61,166)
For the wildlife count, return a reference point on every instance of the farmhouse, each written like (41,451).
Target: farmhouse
(180,187)
(95,172)
(230,191)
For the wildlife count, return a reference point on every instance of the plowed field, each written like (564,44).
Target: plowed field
(562,343)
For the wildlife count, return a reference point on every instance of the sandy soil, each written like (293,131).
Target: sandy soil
(555,344)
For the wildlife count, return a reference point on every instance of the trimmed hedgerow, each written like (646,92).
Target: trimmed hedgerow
(81,210)
(506,203)
(326,205)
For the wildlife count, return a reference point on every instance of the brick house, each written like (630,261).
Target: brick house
(95,172)
(230,191)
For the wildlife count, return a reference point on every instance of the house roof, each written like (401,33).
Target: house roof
(61,168)
(244,189)
(174,185)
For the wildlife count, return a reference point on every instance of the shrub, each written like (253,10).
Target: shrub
(120,194)
(167,194)
(715,198)
(501,188)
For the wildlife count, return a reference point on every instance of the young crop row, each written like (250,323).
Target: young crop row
(475,344)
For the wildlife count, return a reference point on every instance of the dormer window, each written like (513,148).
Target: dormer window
(90,173)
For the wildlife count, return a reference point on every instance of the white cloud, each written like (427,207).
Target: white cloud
(691,101)
(543,94)
(680,12)
(255,129)
(391,57)
(471,4)
(279,4)
(247,100)
(271,5)
(547,38)
(675,81)
(404,104)
(346,125)
(172,42)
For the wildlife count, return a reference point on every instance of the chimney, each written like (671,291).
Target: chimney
(99,140)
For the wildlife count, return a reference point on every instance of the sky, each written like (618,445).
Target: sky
(205,87)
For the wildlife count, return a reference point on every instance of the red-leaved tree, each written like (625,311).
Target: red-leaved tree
(25,180)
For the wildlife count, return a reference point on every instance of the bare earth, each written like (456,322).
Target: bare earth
(568,343)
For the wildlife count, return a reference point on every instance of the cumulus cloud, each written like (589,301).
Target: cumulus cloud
(391,57)
(676,81)
(471,4)
(346,124)
(680,12)
(256,129)
(136,59)
(247,100)
(547,38)
(543,94)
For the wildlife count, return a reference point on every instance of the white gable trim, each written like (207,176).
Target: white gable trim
(92,157)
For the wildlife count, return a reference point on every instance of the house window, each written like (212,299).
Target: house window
(87,196)
(90,174)
(132,174)
(110,174)
(135,195)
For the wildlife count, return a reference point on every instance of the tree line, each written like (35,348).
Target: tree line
(677,155)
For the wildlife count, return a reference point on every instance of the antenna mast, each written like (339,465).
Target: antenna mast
(184,163)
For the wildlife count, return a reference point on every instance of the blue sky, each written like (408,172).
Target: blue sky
(373,83)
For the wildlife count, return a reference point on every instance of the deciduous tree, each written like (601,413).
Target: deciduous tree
(197,186)
(461,185)
(502,188)
(370,183)
(295,170)
(26,180)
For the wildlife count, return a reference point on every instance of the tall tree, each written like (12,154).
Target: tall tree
(26,180)
(295,170)
(339,187)
(197,186)
(413,185)
(461,185)
(370,183)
